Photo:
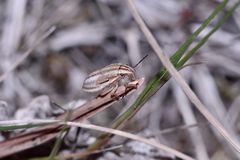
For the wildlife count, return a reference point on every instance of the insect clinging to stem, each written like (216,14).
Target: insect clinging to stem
(108,78)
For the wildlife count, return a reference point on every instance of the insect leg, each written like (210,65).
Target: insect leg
(112,87)
(106,91)
(115,87)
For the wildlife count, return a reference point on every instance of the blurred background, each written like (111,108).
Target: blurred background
(92,34)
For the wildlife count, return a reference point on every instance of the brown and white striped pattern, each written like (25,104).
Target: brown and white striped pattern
(102,78)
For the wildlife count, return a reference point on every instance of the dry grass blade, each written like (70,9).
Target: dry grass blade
(182,127)
(84,154)
(179,79)
(27,53)
(41,135)
(131,136)
(189,118)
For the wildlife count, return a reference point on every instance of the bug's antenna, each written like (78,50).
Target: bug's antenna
(140,61)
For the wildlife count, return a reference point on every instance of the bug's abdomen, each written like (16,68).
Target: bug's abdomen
(97,83)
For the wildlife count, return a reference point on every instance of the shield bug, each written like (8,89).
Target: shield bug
(107,79)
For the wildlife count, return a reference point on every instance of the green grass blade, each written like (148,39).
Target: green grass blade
(58,142)
(182,49)
(14,126)
(205,38)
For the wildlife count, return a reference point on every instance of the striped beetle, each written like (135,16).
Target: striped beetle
(110,77)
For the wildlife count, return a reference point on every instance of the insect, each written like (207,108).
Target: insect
(108,78)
